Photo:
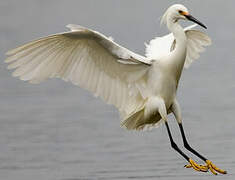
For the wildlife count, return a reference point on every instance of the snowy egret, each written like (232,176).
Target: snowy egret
(142,88)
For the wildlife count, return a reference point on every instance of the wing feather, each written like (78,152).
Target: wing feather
(196,41)
(162,46)
(86,58)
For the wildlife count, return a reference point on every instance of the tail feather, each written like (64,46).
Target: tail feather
(132,121)
(138,120)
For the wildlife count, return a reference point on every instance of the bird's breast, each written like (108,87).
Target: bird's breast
(162,83)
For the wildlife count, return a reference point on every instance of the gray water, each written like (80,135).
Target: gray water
(56,130)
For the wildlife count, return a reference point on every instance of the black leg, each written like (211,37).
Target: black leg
(187,146)
(209,165)
(174,145)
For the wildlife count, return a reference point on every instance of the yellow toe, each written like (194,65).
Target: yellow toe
(214,169)
(188,166)
(204,168)
(196,166)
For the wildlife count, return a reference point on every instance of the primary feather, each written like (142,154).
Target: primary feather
(86,58)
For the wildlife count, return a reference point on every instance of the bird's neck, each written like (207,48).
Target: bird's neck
(179,53)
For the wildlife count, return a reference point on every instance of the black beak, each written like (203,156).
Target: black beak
(191,18)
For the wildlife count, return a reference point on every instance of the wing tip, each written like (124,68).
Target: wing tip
(75,27)
(209,41)
(10,52)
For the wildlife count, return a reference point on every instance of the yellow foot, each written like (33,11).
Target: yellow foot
(214,169)
(196,166)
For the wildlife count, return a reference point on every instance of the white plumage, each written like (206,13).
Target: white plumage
(162,46)
(142,88)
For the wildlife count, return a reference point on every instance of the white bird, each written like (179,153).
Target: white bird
(143,89)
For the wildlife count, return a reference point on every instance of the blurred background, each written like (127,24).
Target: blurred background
(56,130)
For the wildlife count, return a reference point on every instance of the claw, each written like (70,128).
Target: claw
(204,168)
(196,166)
(188,166)
(214,169)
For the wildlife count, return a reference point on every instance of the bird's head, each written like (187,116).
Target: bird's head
(177,12)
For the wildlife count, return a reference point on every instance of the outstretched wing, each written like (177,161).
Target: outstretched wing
(161,46)
(86,58)
(196,41)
